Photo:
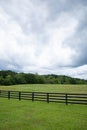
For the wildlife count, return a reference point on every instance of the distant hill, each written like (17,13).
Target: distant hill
(11,78)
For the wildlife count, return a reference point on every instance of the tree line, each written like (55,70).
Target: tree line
(12,78)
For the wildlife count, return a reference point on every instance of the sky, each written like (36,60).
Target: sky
(44,36)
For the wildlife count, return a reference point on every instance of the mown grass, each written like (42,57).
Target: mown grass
(47,88)
(27,115)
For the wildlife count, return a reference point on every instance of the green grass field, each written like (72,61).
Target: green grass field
(48,88)
(28,115)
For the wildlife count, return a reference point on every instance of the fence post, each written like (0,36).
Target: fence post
(47,97)
(66,99)
(32,96)
(8,94)
(19,96)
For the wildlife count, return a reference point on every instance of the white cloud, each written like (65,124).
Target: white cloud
(31,41)
(54,51)
(77,72)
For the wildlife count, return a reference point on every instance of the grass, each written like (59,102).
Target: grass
(27,115)
(48,88)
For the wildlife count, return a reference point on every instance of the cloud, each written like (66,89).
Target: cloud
(44,36)
(78,40)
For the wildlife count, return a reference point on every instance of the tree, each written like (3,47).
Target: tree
(20,79)
(1,80)
(8,80)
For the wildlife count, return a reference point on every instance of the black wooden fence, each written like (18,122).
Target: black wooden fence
(67,98)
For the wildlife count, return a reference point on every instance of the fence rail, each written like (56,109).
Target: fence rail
(67,98)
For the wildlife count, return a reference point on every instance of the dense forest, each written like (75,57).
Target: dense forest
(12,78)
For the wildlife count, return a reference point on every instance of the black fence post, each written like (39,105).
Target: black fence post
(8,94)
(19,96)
(66,99)
(47,97)
(32,96)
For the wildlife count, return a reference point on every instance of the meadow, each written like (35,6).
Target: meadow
(28,115)
(47,88)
